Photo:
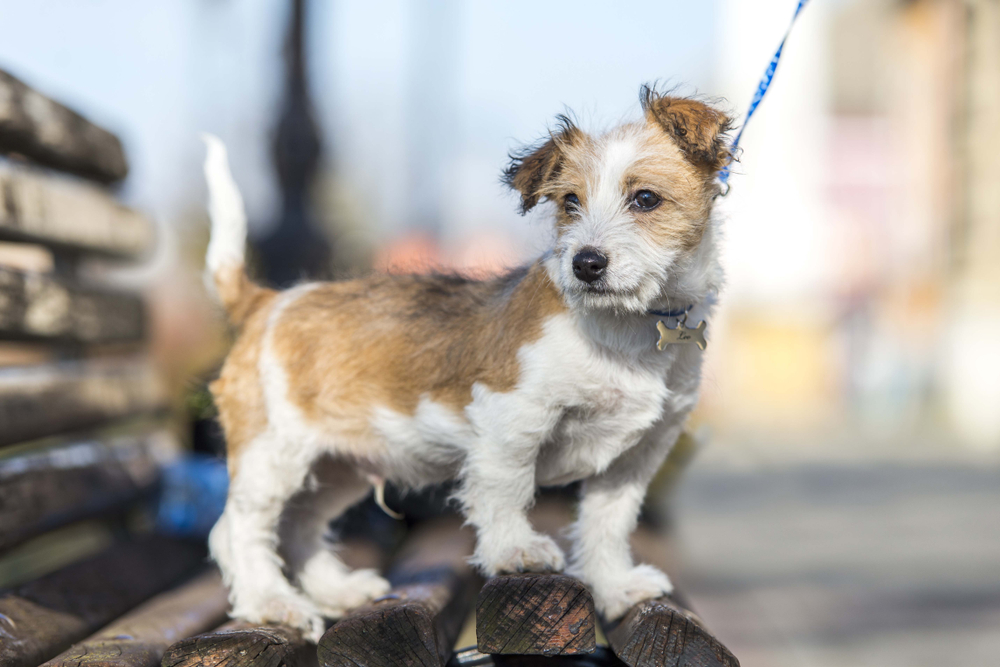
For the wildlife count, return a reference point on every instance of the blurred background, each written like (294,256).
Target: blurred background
(844,507)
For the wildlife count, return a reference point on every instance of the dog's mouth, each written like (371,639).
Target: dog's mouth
(601,288)
(596,289)
(602,295)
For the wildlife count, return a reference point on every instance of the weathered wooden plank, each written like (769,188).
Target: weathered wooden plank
(655,633)
(51,134)
(535,614)
(242,644)
(44,617)
(42,490)
(45,400)
(418,621)
(663,632)
(140,638)
(37,305)
(67,214)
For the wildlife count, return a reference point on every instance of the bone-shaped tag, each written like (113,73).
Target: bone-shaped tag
(681,335)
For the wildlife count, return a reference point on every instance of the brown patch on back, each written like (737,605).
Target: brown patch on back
(238,393)
(389,340)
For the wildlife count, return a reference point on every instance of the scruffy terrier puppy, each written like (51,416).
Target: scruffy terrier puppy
(547,375)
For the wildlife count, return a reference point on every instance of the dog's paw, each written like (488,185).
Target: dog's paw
(537,553)
(616,595)
(336,589)
(337,596)
(366,585)
(295,611)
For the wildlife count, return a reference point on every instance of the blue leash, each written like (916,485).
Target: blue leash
(762,87)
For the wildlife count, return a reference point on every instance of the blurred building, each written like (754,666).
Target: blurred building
(863,252)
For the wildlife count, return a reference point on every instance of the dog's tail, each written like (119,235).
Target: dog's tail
(225,260)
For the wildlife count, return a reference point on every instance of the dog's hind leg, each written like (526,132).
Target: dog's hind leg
(244,541)
(310,560)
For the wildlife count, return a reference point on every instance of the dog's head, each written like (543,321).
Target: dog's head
(631,204)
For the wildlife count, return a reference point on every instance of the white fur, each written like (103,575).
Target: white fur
(595,401)
(635,265)
(225,208)
(274,468)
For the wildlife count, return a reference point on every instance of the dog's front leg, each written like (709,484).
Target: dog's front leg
(608,513)
(497,489)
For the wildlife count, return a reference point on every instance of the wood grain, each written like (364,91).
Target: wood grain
(419,620)
(38,401)
(241,644)
(53,135)
(535,614)
(44,617)
(44,489)
(38,305)
(140,638)
(664,631)
(69,215)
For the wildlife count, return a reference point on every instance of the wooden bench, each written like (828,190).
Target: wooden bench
(84,449)
(82,437)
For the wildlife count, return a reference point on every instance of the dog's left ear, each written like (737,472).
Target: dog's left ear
(533,168)
(696,127)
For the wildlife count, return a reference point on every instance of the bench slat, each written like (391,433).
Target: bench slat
(71,215)
(535,614)
(42,490)
(51,134)
(663,631)
(241,644)
(419,620)
(44,617)
(140,638)
(37,305)
(38,401)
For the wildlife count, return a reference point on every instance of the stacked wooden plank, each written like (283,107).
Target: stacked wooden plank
(81,437)
(52,135)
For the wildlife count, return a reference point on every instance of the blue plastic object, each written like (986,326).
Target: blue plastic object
(192,496)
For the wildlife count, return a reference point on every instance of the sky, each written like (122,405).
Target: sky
(419,104)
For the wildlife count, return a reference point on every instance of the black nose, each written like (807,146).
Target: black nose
(589,265)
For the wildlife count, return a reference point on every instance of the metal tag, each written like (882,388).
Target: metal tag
(681,335)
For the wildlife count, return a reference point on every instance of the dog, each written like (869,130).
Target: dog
(547,375)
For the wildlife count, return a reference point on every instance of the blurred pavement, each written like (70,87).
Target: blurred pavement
(846,565)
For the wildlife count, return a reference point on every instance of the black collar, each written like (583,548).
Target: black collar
(671,313)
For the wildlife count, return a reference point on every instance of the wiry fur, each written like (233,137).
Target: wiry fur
(532,378)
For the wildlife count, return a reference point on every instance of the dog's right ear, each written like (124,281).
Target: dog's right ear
(534,167)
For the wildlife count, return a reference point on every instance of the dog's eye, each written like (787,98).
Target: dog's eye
(645,200)
(571,203)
